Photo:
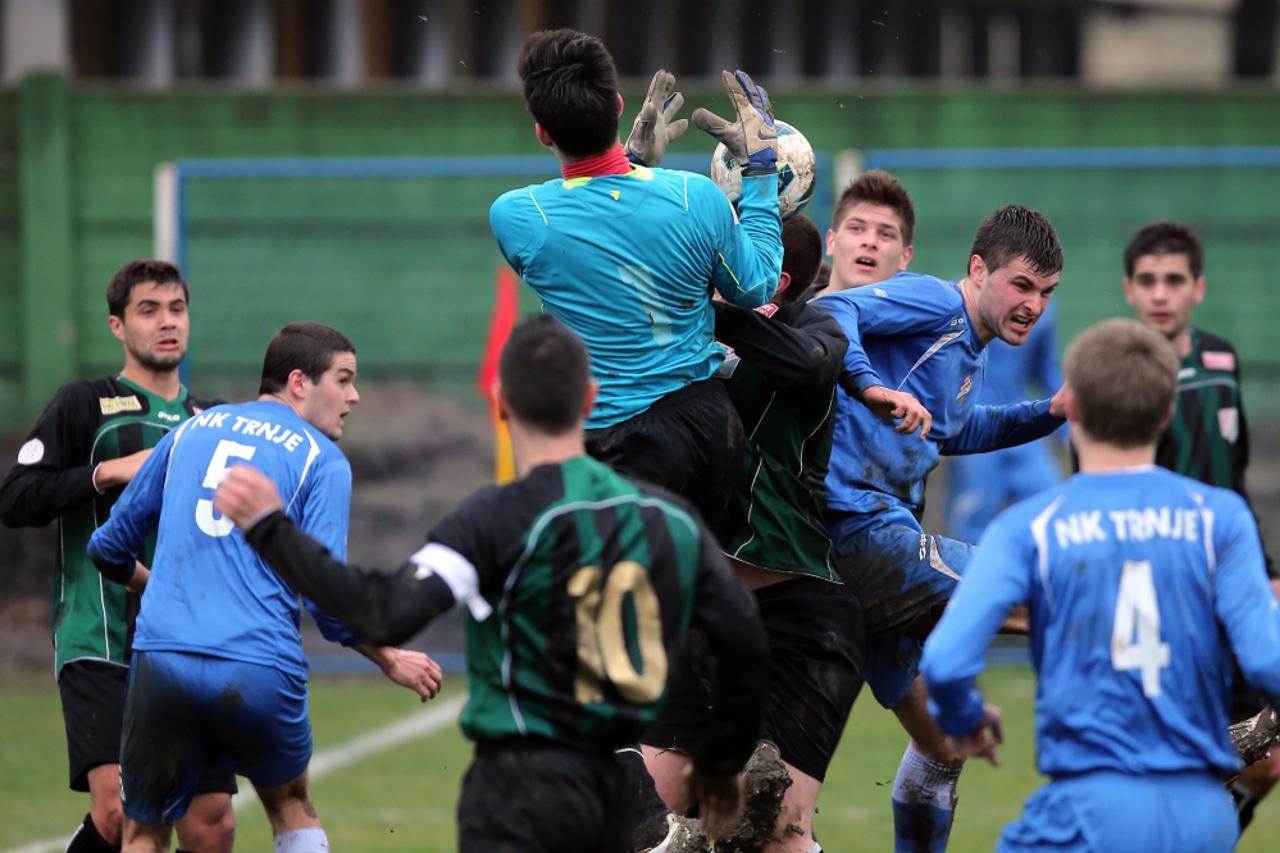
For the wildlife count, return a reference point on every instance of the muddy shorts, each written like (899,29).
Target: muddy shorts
(815,674)
(689,442)
(92,694)
(903,578)
(185,711)
(526,795)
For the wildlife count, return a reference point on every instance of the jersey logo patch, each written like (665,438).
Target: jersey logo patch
(1218,360)
(965,387)
(31,452)
(116,405)
(1229,423)
(881,292)
(615,194)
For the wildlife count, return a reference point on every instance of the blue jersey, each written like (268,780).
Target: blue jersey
(912,333)
(1141,585)
(628,262)
(209,592)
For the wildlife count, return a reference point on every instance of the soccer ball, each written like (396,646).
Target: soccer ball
(797,171)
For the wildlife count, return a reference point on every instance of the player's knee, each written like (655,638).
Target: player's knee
(108,819)
(210,825)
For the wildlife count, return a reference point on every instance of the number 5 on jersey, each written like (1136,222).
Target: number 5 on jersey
(1137,610)
(206,520)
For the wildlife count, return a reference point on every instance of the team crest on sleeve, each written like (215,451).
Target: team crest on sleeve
(965,387)
(1229,422)
(31,452)
(1219,360)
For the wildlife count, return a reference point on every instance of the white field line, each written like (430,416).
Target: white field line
(421,723)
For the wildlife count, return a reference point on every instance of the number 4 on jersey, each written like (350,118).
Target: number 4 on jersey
(1137,611)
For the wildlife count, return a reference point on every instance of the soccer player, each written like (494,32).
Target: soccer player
(218,675)
(983,484)
(871,233)
(90,441)
(1142,585)
(782,379)
(916,355)
(579,587)
(1208,438)
(627,257)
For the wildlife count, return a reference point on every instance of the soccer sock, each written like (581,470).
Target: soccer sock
(88,840)
(1245,802)
(924,803)
(309,840)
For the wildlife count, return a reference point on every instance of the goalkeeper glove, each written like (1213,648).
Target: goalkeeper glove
(752,139)
(653,128)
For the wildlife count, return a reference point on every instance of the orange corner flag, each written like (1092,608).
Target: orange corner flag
(506,306)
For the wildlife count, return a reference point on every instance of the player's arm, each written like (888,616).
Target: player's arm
(43,482)
(114,546)
(904,305)
(726,615)
(381,608)
(996,580)
(748,244)
(805,353)
(1243,601)
(1239,464)
(995,427)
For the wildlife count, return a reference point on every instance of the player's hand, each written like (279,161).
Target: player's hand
(118,472)
(752,138)
(983,740)
(653,128)
(411,669)
(898,406)
(138,583)
(718,800)
(246,495)
(1058,404)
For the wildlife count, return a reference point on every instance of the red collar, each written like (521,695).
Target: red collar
(612,162)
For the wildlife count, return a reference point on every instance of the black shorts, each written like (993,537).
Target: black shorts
(815,674)
(688,442)
(526,794)
(93,695)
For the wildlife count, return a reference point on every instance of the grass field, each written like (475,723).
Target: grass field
(403,798)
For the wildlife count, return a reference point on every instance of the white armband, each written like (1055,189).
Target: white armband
(458,574)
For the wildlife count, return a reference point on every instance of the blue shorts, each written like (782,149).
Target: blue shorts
(185,711)
(1104,811)
(903,578)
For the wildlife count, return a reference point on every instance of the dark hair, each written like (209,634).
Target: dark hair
(823,277)
(139,272)
(571,87)
(1013,232)
(801,255)
(1124,376)
(309,347)
(545,370)
(1165,238)
(879,187)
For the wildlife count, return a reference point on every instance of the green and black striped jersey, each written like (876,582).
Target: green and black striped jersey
(591,581)
(782,380)
(1208,438)
(580,587)
(86,423)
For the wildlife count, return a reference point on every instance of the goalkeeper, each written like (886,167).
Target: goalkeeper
(627,256)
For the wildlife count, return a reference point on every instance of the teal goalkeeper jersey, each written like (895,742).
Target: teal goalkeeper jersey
(629,262)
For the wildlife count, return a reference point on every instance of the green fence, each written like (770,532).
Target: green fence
(76,200)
